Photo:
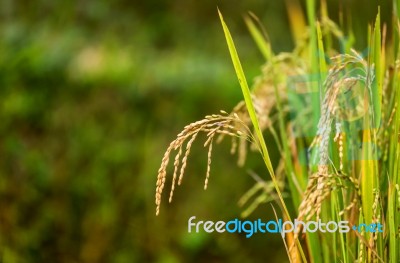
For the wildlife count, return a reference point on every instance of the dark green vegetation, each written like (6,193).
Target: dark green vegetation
(91,94)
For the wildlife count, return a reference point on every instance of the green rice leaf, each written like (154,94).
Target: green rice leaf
(250,108)
(259,38)
(379,71)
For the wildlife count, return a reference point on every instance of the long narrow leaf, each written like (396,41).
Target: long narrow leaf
(250,108)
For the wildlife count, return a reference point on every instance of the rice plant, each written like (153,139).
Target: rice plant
(334,117)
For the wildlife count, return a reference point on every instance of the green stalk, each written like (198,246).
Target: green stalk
(392,228)
(315,97)
(250,108)
(394,159)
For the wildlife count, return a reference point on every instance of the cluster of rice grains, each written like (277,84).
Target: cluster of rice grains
(349,73)
(214,125)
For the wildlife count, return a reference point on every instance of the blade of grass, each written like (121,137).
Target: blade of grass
(396,14)
(392,227)
(377,89)
(338,235)
(394,159)
(249,103)
(368,182)
(325,17)
(396,6)
(313,53)
(259,38)
(296,19)
(321,54)
(291,254)
(314,244)
(250,107)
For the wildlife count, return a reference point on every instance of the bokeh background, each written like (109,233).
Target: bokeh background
(91,94)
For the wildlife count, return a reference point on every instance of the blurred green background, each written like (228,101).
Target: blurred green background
(91,94)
